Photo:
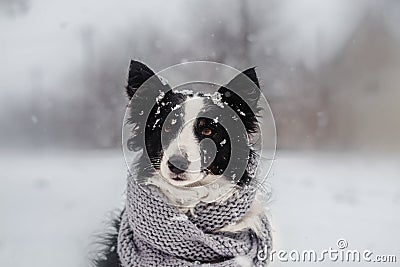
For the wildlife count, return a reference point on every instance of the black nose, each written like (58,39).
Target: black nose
(178,164)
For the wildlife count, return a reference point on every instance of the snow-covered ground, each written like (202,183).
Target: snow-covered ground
(51,202)
(319,198)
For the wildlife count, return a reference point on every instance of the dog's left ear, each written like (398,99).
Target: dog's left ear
(242,94)
(139,73)
(242,90)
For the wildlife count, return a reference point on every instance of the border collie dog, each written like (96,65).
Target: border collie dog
(192,139)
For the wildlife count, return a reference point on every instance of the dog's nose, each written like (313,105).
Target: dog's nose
(178,164)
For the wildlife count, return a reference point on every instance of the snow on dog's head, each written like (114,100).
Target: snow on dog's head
(193,137)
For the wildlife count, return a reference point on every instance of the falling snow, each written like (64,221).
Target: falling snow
(155,124)
(184,92)
(34,119)
(241,112)
(176,107)
(160,96)
(217,99)
(163,80)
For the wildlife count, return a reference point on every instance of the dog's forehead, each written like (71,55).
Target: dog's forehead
(192,107)
(188,104)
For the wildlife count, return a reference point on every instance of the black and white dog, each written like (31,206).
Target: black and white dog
(190,142)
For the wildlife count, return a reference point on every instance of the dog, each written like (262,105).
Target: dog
(192,139)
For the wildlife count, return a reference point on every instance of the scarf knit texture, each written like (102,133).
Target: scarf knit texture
(155,233)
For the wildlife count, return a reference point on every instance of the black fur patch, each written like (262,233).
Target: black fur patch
(108,256)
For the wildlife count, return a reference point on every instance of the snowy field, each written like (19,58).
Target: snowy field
(51,202)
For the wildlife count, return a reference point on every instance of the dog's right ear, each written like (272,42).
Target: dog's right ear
(138,74)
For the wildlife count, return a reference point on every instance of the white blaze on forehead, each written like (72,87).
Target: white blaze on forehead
(192,107)
(186,143)
(187,139)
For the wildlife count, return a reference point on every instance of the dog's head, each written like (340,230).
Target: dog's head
(192,137)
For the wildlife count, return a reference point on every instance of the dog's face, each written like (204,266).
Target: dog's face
(192,137)
(192,144)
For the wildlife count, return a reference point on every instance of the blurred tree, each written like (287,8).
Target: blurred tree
(14,7)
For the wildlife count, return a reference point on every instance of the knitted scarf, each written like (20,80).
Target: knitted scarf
(155,233)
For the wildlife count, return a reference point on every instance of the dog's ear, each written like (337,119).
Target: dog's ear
(242,94)
(142,101)
(139,73)
(245,87)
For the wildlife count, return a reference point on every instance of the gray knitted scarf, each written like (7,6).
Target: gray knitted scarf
(151,235)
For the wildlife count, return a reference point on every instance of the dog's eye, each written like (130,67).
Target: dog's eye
(206,132)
